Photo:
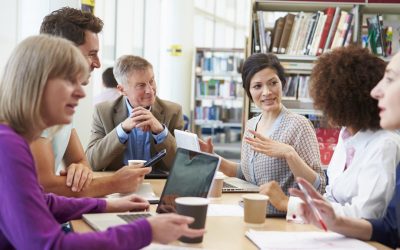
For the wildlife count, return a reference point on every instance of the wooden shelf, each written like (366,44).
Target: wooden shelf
(217,123)
(222,98)
(231,147)
(219,74)
(306,6)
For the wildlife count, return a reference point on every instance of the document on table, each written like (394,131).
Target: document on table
(224,210)
(304,240)
(155,246)
(145,190)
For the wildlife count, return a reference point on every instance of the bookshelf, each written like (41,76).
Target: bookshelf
(218,98)
(299,31)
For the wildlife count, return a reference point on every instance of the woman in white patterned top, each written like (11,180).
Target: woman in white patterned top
(278,144)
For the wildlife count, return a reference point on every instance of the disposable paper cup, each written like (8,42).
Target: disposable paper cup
(255,209)
(135,162)
(195,207)
(216,186)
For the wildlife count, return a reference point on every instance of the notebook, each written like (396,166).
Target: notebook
(236,185)
(186,140)
(191,175)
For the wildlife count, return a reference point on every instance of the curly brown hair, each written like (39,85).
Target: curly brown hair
(71,24)
(340,84)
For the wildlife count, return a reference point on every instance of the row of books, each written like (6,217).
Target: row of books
(218,88)
(218,113)
(216,62)
(297,87)
(305,33)
(379,38)
(222,136)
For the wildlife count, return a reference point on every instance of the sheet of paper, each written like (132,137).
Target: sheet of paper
(155,246)
(145,190)
(304,240)
(224,210)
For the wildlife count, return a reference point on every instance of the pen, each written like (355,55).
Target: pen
(313,208)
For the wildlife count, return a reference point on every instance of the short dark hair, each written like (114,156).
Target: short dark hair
(340,84)
(71,24)
(258,62)
(109,79)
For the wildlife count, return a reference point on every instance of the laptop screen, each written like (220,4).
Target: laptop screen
(191,175)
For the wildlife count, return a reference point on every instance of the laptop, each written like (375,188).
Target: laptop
(191,175)
(186,140)
(236,185)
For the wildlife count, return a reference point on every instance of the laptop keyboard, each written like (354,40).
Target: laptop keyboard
(132,217)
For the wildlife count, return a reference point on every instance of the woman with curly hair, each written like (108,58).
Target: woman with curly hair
(278,144)
(362,170)
(386,229)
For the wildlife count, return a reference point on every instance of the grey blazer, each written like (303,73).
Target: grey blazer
(105,151)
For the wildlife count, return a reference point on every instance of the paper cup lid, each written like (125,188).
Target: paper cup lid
(260,197)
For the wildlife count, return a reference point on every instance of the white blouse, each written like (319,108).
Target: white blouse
(366,187)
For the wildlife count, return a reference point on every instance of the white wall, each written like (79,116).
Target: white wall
(8,29)
(22,18)
(176,70)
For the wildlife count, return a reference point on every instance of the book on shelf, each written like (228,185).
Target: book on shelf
(333,28)
(214,62)
(219,88)
(312,49)
(263,35)
(256,35)
(296,88)
(346,30)
(339,29)
(381,33)
(276,37)
(218,113)
(330,13)
(303,28)
(311,32)
(287,30)
(374,34)
(295,32)
(310,26)
(303,87)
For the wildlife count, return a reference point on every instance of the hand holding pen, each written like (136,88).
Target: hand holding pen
(311,205)
(316,209)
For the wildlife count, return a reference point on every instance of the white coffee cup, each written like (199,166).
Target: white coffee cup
(216,186)
(135,163)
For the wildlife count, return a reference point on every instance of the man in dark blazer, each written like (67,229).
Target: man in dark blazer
(136,125)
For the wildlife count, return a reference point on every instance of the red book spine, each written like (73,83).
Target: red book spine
(330,12)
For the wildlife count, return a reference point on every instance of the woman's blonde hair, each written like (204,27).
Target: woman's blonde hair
(33,62)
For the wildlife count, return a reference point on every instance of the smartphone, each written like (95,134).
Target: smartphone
(155,158)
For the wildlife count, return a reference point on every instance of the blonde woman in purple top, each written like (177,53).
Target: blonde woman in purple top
(40,88)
